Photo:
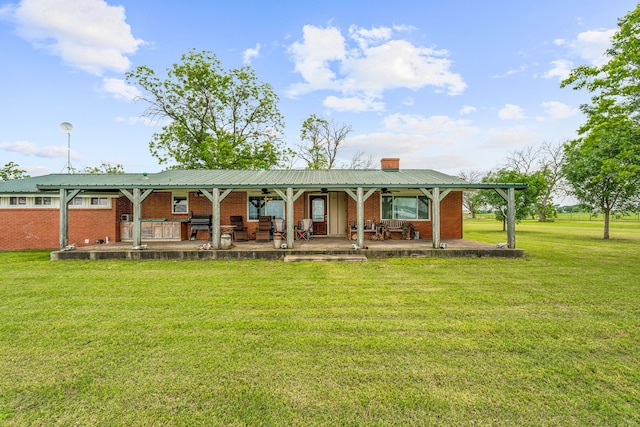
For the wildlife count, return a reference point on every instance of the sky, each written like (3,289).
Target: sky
(453,85)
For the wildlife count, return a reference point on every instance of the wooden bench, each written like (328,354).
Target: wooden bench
(394,224)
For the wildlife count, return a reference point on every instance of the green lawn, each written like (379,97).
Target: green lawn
(549,339)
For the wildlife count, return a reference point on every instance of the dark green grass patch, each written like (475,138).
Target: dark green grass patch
(550,339)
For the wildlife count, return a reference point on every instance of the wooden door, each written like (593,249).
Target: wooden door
(318,206)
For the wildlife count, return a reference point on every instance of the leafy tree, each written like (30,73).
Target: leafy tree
(605,173)
(525,200)
(323,139)
(217,119)
(603,165)
(105,167)
(12,171)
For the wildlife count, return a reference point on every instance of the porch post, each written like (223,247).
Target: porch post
(435,221)
(360,216)
(511,218)
(290,220)
(64,219)
(215,218)
(137,216)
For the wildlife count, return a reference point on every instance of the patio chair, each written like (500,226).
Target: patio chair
(280,226)
(263,233)
(239,231)
(305,229)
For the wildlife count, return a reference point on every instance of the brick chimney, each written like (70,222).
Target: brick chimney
(390,164)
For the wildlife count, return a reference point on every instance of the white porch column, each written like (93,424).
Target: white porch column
(65,198)
(511,218)
(137,216)
(215,218)
(360,216)
(291,233)
(64,219)
(435,220)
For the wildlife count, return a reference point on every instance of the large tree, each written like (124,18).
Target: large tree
(11,171)
(321,141)
(216,119)
(544,165)
(525,200)
(603,165)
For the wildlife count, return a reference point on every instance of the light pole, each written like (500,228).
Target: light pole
(67,127)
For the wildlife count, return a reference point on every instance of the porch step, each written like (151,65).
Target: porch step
(325,257)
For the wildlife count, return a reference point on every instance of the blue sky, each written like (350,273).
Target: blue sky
(451,86)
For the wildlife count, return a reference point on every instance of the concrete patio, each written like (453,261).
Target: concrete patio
(316,249)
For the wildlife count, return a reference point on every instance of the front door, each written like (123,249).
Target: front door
(318,205)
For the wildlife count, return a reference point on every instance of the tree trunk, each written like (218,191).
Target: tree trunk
(607,213)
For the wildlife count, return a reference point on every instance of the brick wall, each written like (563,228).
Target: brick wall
(40,228)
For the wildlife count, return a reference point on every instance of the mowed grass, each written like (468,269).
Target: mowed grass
(549,339)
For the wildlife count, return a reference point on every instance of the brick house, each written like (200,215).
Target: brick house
(53,211)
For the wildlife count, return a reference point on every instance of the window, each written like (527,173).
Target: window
(180,205)
(99,201)
(265,206)
(405,207)
(76,201)
(42,201)
(18,201)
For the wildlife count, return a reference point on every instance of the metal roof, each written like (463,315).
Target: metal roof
(296,178)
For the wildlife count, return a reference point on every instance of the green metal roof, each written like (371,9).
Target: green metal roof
(296,178)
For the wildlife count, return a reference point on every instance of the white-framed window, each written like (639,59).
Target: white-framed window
(42,201)
(18,201)
(99,201)
(404,207)
(29,202)
(180,204)
(265,206)
(90,202)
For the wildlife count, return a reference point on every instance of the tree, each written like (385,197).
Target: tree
(360,160)
(217,119)
(545,162)
(105,167)
(323,139)
(12,171)
(471,199)
(604,173)
(524,199)
(603,164)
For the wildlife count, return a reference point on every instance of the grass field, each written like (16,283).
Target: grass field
(549,339)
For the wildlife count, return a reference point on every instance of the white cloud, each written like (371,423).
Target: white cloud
(511,112)
(29,148)
(357,104)
(509,138)
(467,109)
(312,57)
(375,64)
(251,53)
(89,35)
(559,110)
(119,89)
(443,126)
(560,69)
(591,45)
